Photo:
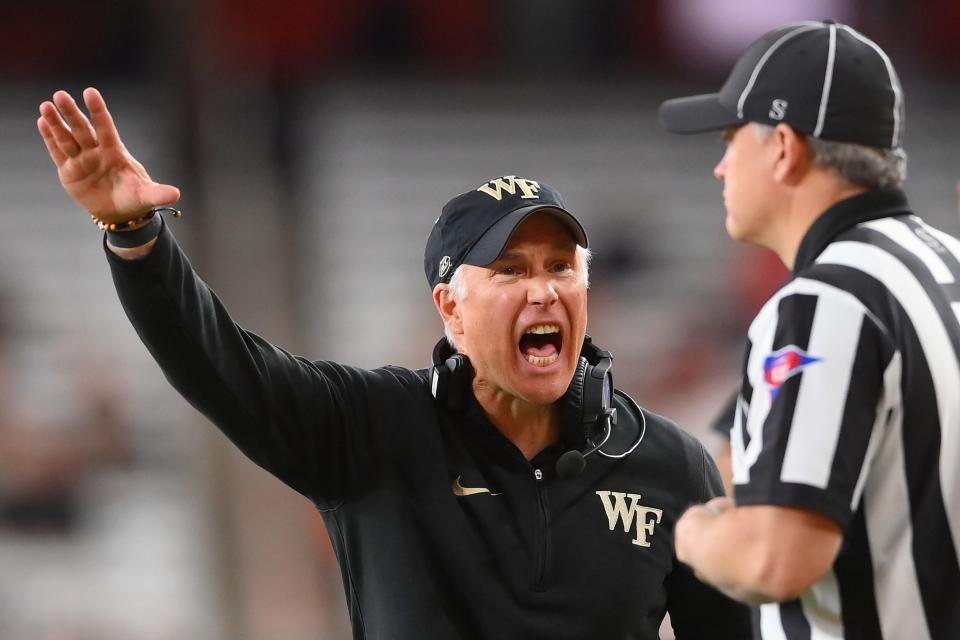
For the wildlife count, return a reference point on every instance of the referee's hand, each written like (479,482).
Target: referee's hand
(94,166)
(692,520)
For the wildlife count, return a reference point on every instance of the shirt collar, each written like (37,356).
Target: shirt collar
(849,212)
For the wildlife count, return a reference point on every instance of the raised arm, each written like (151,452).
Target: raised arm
(95,167)
(311,424)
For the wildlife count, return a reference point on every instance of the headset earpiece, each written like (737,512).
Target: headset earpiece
(571,407)
(589,398)
(450,376)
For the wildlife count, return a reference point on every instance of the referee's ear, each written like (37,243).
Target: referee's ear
(793,159)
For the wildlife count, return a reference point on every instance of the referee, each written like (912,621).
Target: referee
(846,441)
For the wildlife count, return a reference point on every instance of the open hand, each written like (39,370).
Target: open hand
(94,166)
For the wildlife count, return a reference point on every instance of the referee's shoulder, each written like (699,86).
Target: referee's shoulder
(860,285)
(833,280)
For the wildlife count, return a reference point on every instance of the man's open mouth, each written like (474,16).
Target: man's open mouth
(541,344)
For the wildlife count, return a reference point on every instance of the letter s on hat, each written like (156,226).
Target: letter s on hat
(778,109)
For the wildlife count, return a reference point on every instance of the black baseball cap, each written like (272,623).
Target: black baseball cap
(474,227)
(824,79)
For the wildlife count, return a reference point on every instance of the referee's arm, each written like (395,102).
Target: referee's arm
(808,430)
(757,553)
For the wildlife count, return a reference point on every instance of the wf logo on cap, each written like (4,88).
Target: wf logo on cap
(496,187)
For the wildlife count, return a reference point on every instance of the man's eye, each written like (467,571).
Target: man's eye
(560,267)
(509,271)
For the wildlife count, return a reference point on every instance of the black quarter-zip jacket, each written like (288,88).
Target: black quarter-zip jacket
(442,528)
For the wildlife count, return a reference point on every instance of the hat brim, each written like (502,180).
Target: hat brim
(494,240)
(696,114)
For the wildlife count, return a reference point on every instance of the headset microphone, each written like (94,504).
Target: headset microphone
(572,463)
(590,400)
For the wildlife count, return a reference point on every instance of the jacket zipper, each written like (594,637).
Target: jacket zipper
(540,543)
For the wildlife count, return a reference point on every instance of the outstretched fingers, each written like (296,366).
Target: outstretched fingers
(78,123)
(59,131)
(106,130)
(58,156)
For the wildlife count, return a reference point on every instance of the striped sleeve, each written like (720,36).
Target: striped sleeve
(814,394)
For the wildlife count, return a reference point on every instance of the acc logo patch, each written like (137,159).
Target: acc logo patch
(444,266)
(783,364)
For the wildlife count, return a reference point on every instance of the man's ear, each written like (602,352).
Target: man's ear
(448,307)
(792,155)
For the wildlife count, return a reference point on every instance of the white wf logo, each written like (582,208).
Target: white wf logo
(644,518)
(510,184)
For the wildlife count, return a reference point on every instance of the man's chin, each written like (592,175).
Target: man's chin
(546,392)
(543,400)
(731,228)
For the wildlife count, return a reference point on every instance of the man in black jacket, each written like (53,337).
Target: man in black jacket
(456,498)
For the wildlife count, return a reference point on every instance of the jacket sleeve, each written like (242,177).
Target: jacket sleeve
(309,423)
(697,610)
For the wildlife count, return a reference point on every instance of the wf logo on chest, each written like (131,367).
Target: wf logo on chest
(634,515)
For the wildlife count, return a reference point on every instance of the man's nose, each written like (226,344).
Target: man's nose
(542,290)
(720,171)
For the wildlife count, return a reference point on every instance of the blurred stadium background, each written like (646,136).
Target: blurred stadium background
(315,142)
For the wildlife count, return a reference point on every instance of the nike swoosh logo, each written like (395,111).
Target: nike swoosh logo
(460,490)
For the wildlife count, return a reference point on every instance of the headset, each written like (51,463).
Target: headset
(587,411)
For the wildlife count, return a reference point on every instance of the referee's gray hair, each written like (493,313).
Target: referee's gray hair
(869,167)
(458,285)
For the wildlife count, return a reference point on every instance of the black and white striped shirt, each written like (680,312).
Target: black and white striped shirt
(850,407)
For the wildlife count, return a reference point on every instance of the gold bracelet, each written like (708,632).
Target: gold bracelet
(136,223)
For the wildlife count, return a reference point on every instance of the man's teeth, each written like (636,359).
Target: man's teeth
(544,328)
(541,361)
